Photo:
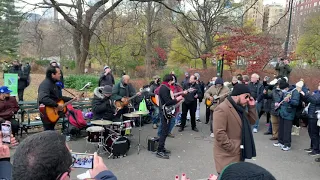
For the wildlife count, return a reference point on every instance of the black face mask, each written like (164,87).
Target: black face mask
(7,98)
(233,84)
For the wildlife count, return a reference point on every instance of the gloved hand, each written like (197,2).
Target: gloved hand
(60,84)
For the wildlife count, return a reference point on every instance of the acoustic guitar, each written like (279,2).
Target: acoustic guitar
(52,113)
(215,98)
(155,98)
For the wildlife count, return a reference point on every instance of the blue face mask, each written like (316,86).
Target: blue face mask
(213,82)
(284,91)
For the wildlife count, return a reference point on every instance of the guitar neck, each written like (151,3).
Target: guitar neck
(69,102)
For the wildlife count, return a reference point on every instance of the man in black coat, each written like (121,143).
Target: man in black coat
(190,103)
(106,77)
(165,98)
(48,94)
(102,105)
(22,78)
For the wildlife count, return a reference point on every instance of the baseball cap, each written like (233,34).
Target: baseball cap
(107,89)
(106,67)
(4,90)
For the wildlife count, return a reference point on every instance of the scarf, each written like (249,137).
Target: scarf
(248,149)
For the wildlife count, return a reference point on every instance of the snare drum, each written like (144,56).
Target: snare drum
(95,134)
(129,124)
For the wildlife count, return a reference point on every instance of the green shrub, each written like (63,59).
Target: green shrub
(43,63)
(177,71)
(68,63)
(78,81)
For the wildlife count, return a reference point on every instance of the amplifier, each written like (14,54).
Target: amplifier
(153,144)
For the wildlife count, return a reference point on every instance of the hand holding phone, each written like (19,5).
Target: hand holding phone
(4,151)
(6,133)
(98,166)
(82,160)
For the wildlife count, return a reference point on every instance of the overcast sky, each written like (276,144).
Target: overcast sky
(40,11)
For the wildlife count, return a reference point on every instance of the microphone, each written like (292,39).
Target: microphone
(86,86)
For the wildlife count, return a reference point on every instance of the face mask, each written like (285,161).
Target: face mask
(213,82)
(278,88)
(7,98)
(284,91)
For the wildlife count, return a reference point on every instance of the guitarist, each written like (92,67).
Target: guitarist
(121,90)
(48,94)
(165,98)
(213,92)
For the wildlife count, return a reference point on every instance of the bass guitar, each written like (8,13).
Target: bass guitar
(121,104)
(52,114)
(215,98)
(155,98)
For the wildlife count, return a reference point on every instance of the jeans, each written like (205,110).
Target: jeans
(285,127)
(208,113)
(164,132)
(211,121)
(314,134)
(155,115)
(20,94)
(198,110)
(171,126)
(258,107)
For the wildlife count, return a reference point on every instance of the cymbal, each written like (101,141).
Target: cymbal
(131,115)
(101,122)
(141,112)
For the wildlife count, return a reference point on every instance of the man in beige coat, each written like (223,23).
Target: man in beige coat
(216,94)
(233,136)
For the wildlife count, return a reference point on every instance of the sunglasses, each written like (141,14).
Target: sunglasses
(247,97)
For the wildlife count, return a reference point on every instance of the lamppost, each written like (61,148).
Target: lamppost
(220,63)
(286,45)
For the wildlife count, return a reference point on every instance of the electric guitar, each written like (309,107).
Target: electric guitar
(215,97)
(155,98)
(121,104)
(169,111)
(52,113)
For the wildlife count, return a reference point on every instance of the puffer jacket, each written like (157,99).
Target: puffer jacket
(288,109)
(314,106)
(102,107)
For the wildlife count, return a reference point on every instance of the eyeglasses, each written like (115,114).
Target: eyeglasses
(69,169)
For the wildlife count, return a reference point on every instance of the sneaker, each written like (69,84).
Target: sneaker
(198,120)
(181,129)
(286,148)
(317,159)
(167,151)
(212,135)
(255,130)
(171,135)
(206,122)
(278,145)
(162,155)
(313,153)
(308,150)
(195,129)
(155,126)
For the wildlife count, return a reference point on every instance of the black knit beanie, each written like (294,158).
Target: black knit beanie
(240,89)
(245,171)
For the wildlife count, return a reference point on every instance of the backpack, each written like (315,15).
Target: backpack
(75,117)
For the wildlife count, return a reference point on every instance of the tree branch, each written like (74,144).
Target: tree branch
(65,16)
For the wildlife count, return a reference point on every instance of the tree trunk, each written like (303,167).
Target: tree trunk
(204,63)
(148,57)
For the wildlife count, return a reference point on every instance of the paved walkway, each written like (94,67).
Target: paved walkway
(192,153)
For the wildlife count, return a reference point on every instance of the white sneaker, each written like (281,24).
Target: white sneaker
(212,135)
(285,148)
(278,145)
(255,130)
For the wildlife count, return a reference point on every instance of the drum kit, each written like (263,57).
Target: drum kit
(112,137)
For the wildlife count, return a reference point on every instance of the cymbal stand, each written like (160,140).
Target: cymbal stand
(139,143)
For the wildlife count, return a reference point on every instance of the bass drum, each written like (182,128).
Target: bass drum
(117,145)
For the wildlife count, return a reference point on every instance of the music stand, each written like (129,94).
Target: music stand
(140,113)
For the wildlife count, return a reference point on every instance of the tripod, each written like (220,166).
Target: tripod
(140,113)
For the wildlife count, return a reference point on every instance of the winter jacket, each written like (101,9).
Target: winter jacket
(120,90)
(105,175)
(5,169)
(102,107)
(284,70)
(165,96)
(314,106)
(23,80)
(185,81)
(106,80)
(202,86)
(288,109)
(48,93)
(275,95)
(8,108)
(212,91)
(189,98)
(256,91)
(153,86)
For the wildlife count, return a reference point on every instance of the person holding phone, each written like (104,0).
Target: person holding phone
(5,165)
(233,136)
(45,155)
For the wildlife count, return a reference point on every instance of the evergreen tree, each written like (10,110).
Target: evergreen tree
(10,20)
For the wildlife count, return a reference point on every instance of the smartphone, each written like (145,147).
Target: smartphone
(82,160)
(6,132)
